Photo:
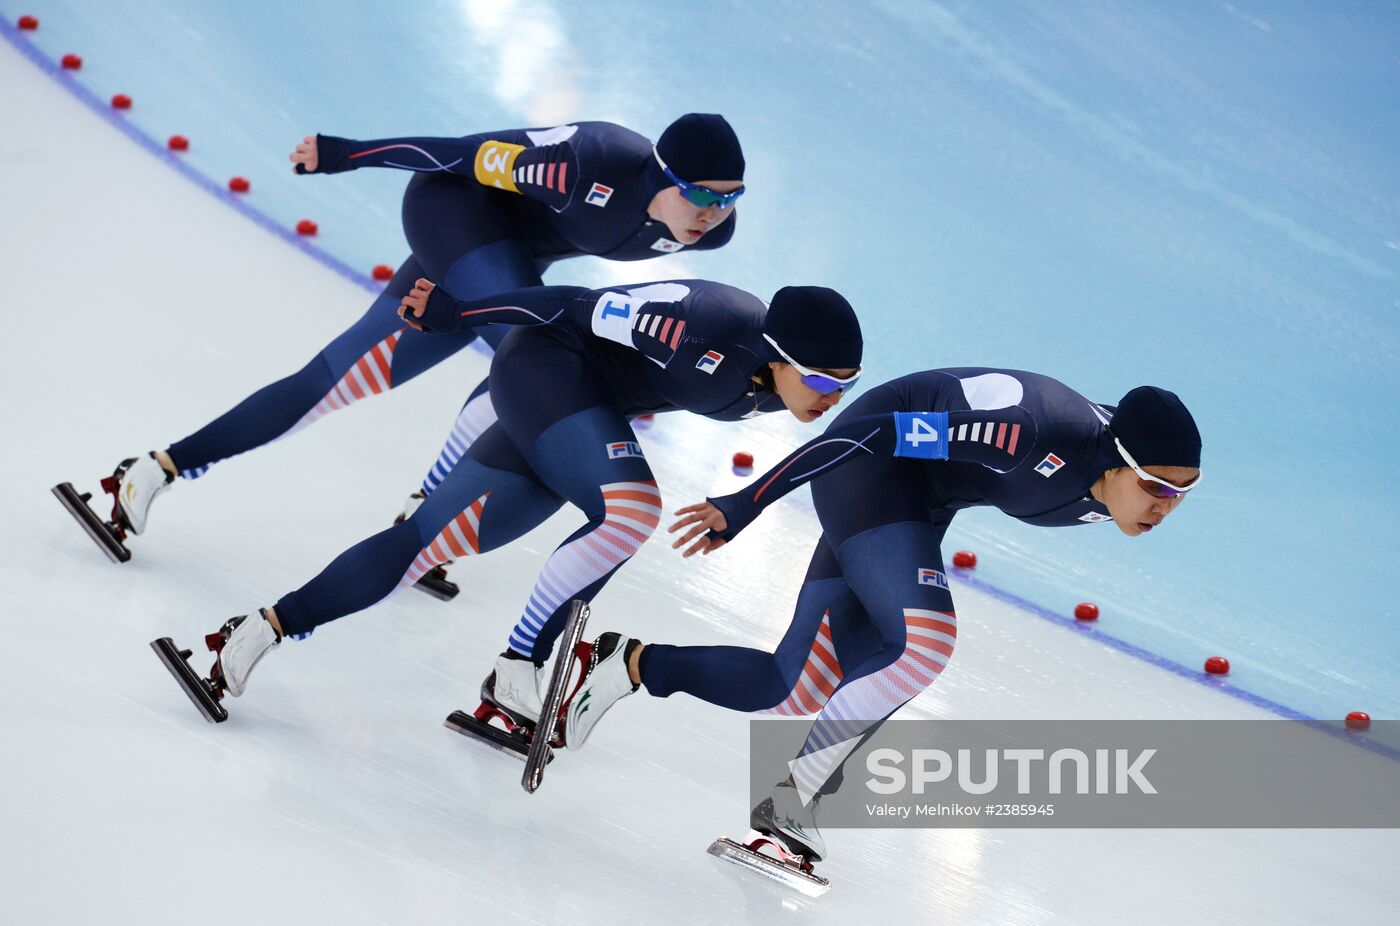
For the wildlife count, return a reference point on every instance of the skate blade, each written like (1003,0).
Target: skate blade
(441,589)
(813,885)
(196,688)
(541,745)
(498,739)
(96,528)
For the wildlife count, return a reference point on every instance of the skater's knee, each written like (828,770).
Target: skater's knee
(317,378)
(807,693)
(631,513)
(930,637)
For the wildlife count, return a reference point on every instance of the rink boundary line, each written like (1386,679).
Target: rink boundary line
(88,97)
(1355,738)
(69,82)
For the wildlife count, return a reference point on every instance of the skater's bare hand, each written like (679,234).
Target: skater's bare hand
(416,302)
(305,158)
(700,519)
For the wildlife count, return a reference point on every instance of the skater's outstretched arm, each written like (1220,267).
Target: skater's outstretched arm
(546,172)
(429,307)
(999,440)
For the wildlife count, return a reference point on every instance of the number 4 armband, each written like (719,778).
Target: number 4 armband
(921,435)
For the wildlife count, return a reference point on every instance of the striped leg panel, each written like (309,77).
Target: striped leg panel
(460,538)
(818,679)
(474,418)
(633,510)
(860,704)
(370,375)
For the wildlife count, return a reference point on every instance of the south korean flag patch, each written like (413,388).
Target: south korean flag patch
(1094,517)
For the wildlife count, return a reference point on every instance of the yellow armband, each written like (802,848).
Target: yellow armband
(495,164)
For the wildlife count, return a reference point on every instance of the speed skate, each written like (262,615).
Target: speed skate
(785,867)
(133,485)
(204,693)
(110,536)
(497,728)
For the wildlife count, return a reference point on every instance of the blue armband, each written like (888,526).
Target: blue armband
(921,435)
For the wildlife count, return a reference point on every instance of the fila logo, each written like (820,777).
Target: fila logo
(933,577)
(624,448)
(710,362)
(598,195)
(666,245)
(1049,466)
(1094,517)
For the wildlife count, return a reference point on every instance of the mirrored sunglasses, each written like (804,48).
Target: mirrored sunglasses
(1152,485)
(821,383)
(698,195)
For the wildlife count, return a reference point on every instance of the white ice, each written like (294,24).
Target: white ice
(139,307)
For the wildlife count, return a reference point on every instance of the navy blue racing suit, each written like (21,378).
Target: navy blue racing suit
(483,214)
(610,354)
(874,623)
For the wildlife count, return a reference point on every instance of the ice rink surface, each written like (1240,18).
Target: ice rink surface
(333,794)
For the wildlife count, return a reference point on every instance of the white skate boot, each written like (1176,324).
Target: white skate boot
(607,683)
(784,816)
(246,640)
(514,688)
(784,842)
(139,480)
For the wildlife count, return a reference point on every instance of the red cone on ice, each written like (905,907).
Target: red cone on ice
(382,272)
(28,23)
(71,62)
(306,227)
(965,559)
(743,460)
(179,143)
(239,185)
(1217,665)
(1358,720)
(121,101)
(1086,611)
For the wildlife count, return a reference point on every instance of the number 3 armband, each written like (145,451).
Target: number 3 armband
(921,435)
